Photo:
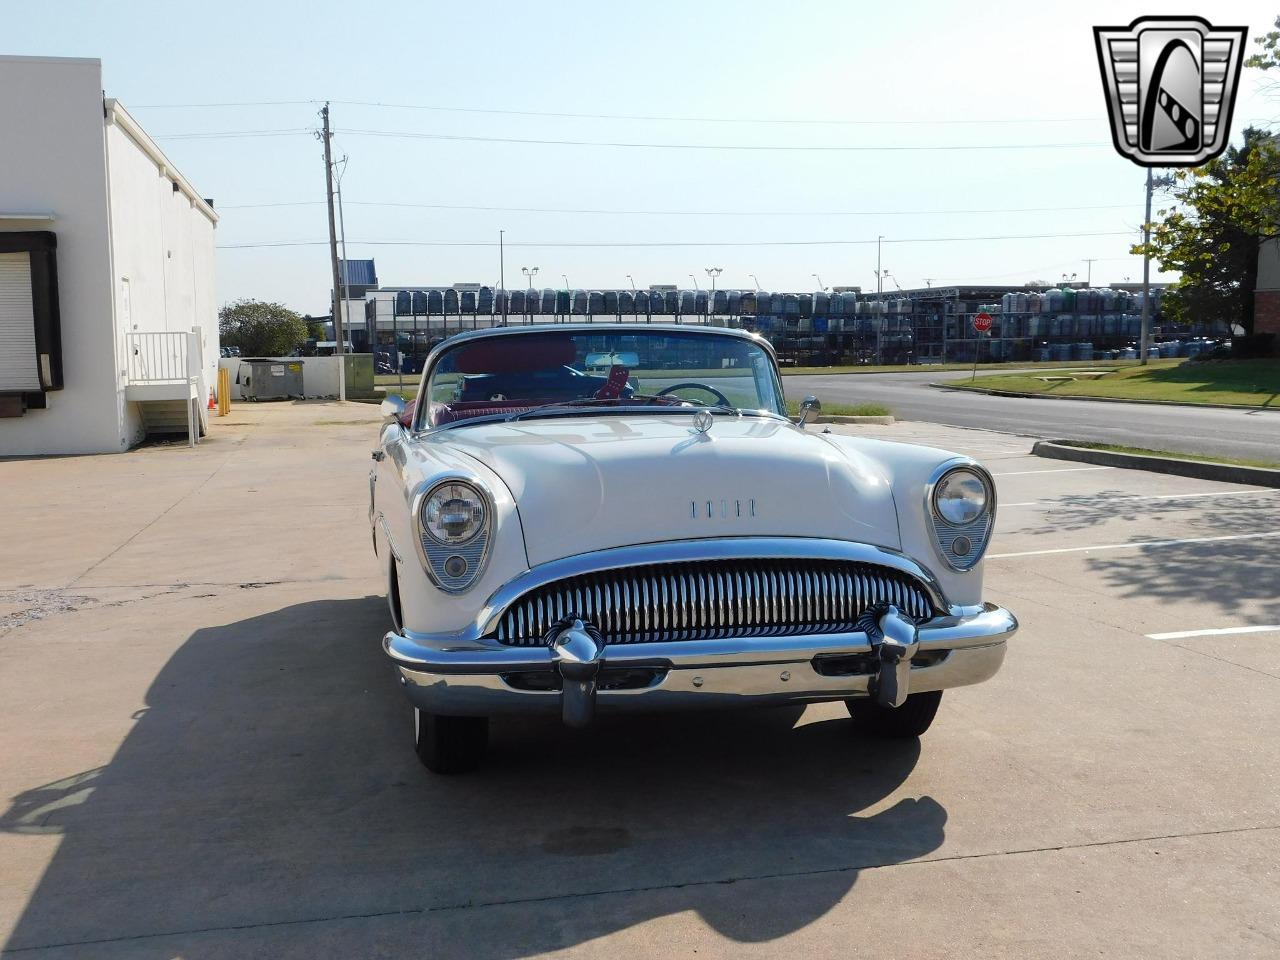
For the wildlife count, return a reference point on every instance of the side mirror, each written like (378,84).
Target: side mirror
(392,407)
(809,410)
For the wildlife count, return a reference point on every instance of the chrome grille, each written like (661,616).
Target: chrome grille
(704,600)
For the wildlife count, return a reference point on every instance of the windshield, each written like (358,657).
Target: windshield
(662,371)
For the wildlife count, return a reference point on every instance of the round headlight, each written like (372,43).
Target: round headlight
(960,497)
(453,513)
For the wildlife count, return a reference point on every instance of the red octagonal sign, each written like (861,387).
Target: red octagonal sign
(982,322)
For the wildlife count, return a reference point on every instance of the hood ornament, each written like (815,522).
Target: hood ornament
(703,420)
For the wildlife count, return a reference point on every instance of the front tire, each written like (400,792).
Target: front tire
(911,719)
(449,744)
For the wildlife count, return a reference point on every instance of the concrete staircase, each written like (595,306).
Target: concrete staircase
(164,417)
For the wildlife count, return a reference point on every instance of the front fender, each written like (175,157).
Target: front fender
(410,466)
(908,468)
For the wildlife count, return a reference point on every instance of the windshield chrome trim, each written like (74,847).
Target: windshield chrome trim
(419,413)
(492,418)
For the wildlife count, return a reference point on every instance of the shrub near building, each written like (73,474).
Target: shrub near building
(261,329)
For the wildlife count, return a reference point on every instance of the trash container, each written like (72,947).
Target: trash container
(266,379)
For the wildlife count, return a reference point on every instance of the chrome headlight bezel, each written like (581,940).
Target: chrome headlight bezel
(960,544)
(439,556)
(476,502)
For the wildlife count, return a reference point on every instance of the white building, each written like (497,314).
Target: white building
(108,328)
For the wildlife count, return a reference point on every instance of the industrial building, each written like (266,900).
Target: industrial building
(844,325)
(108,329)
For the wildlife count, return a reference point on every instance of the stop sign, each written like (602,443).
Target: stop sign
(982,322)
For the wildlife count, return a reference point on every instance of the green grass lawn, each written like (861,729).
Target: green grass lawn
(1143,451)
(845,409)
(1246,383)
(946,367)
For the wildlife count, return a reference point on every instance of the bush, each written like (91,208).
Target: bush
(261,329)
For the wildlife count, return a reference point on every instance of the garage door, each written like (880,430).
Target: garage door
(18,364)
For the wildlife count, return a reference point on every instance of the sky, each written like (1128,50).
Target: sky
(1019,79)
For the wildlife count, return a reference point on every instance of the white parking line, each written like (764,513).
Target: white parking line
(1154,496)
(1220,632)
(1135,544)
(1023,473)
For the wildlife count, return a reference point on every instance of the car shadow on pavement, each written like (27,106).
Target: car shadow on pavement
(269,789)
(1228,577)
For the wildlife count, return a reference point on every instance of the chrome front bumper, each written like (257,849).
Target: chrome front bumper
(446,676)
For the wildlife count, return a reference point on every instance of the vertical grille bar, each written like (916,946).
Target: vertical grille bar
(714,598)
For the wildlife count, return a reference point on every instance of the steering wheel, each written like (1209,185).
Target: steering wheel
(720,397)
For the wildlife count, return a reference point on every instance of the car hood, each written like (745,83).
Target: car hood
(592,483)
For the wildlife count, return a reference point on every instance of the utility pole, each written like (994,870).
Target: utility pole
(1146,277)
(339,334)
(346,283)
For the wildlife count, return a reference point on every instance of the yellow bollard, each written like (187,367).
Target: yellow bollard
(224,391)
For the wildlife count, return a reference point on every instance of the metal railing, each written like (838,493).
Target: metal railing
(165,356)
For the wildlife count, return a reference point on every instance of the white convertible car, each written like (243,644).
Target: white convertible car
(584,518)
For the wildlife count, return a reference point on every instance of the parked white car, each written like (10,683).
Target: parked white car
(558,539)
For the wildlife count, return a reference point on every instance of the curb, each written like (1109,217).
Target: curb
(883,421)
(1151,403)
(1198,469)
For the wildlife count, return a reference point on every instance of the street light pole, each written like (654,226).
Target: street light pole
(529,272)
(819,279)
(695,283)
(755,281)
(502,273)
(632,282)
(879,301)
(1146,276)
(878,239)
(714,272)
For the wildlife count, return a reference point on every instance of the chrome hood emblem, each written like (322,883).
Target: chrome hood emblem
(703,421)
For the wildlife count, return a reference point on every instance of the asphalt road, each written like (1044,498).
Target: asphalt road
(1251,434)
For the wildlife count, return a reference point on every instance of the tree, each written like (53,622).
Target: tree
(1225,210)
(261,329)
(1270,55)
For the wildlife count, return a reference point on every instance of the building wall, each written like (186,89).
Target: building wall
(52,160)
(1266,303)
(162,244)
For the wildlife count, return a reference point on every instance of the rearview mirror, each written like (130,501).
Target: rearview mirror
(809,410)
(392,407)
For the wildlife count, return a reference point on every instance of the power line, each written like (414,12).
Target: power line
(651,118)
(679,213)
(761,147)
(533,141)
(236,103)
(645,118)
(664,243)
(236,134)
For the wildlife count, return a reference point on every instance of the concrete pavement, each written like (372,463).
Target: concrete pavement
(204,755)
(1248,434)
